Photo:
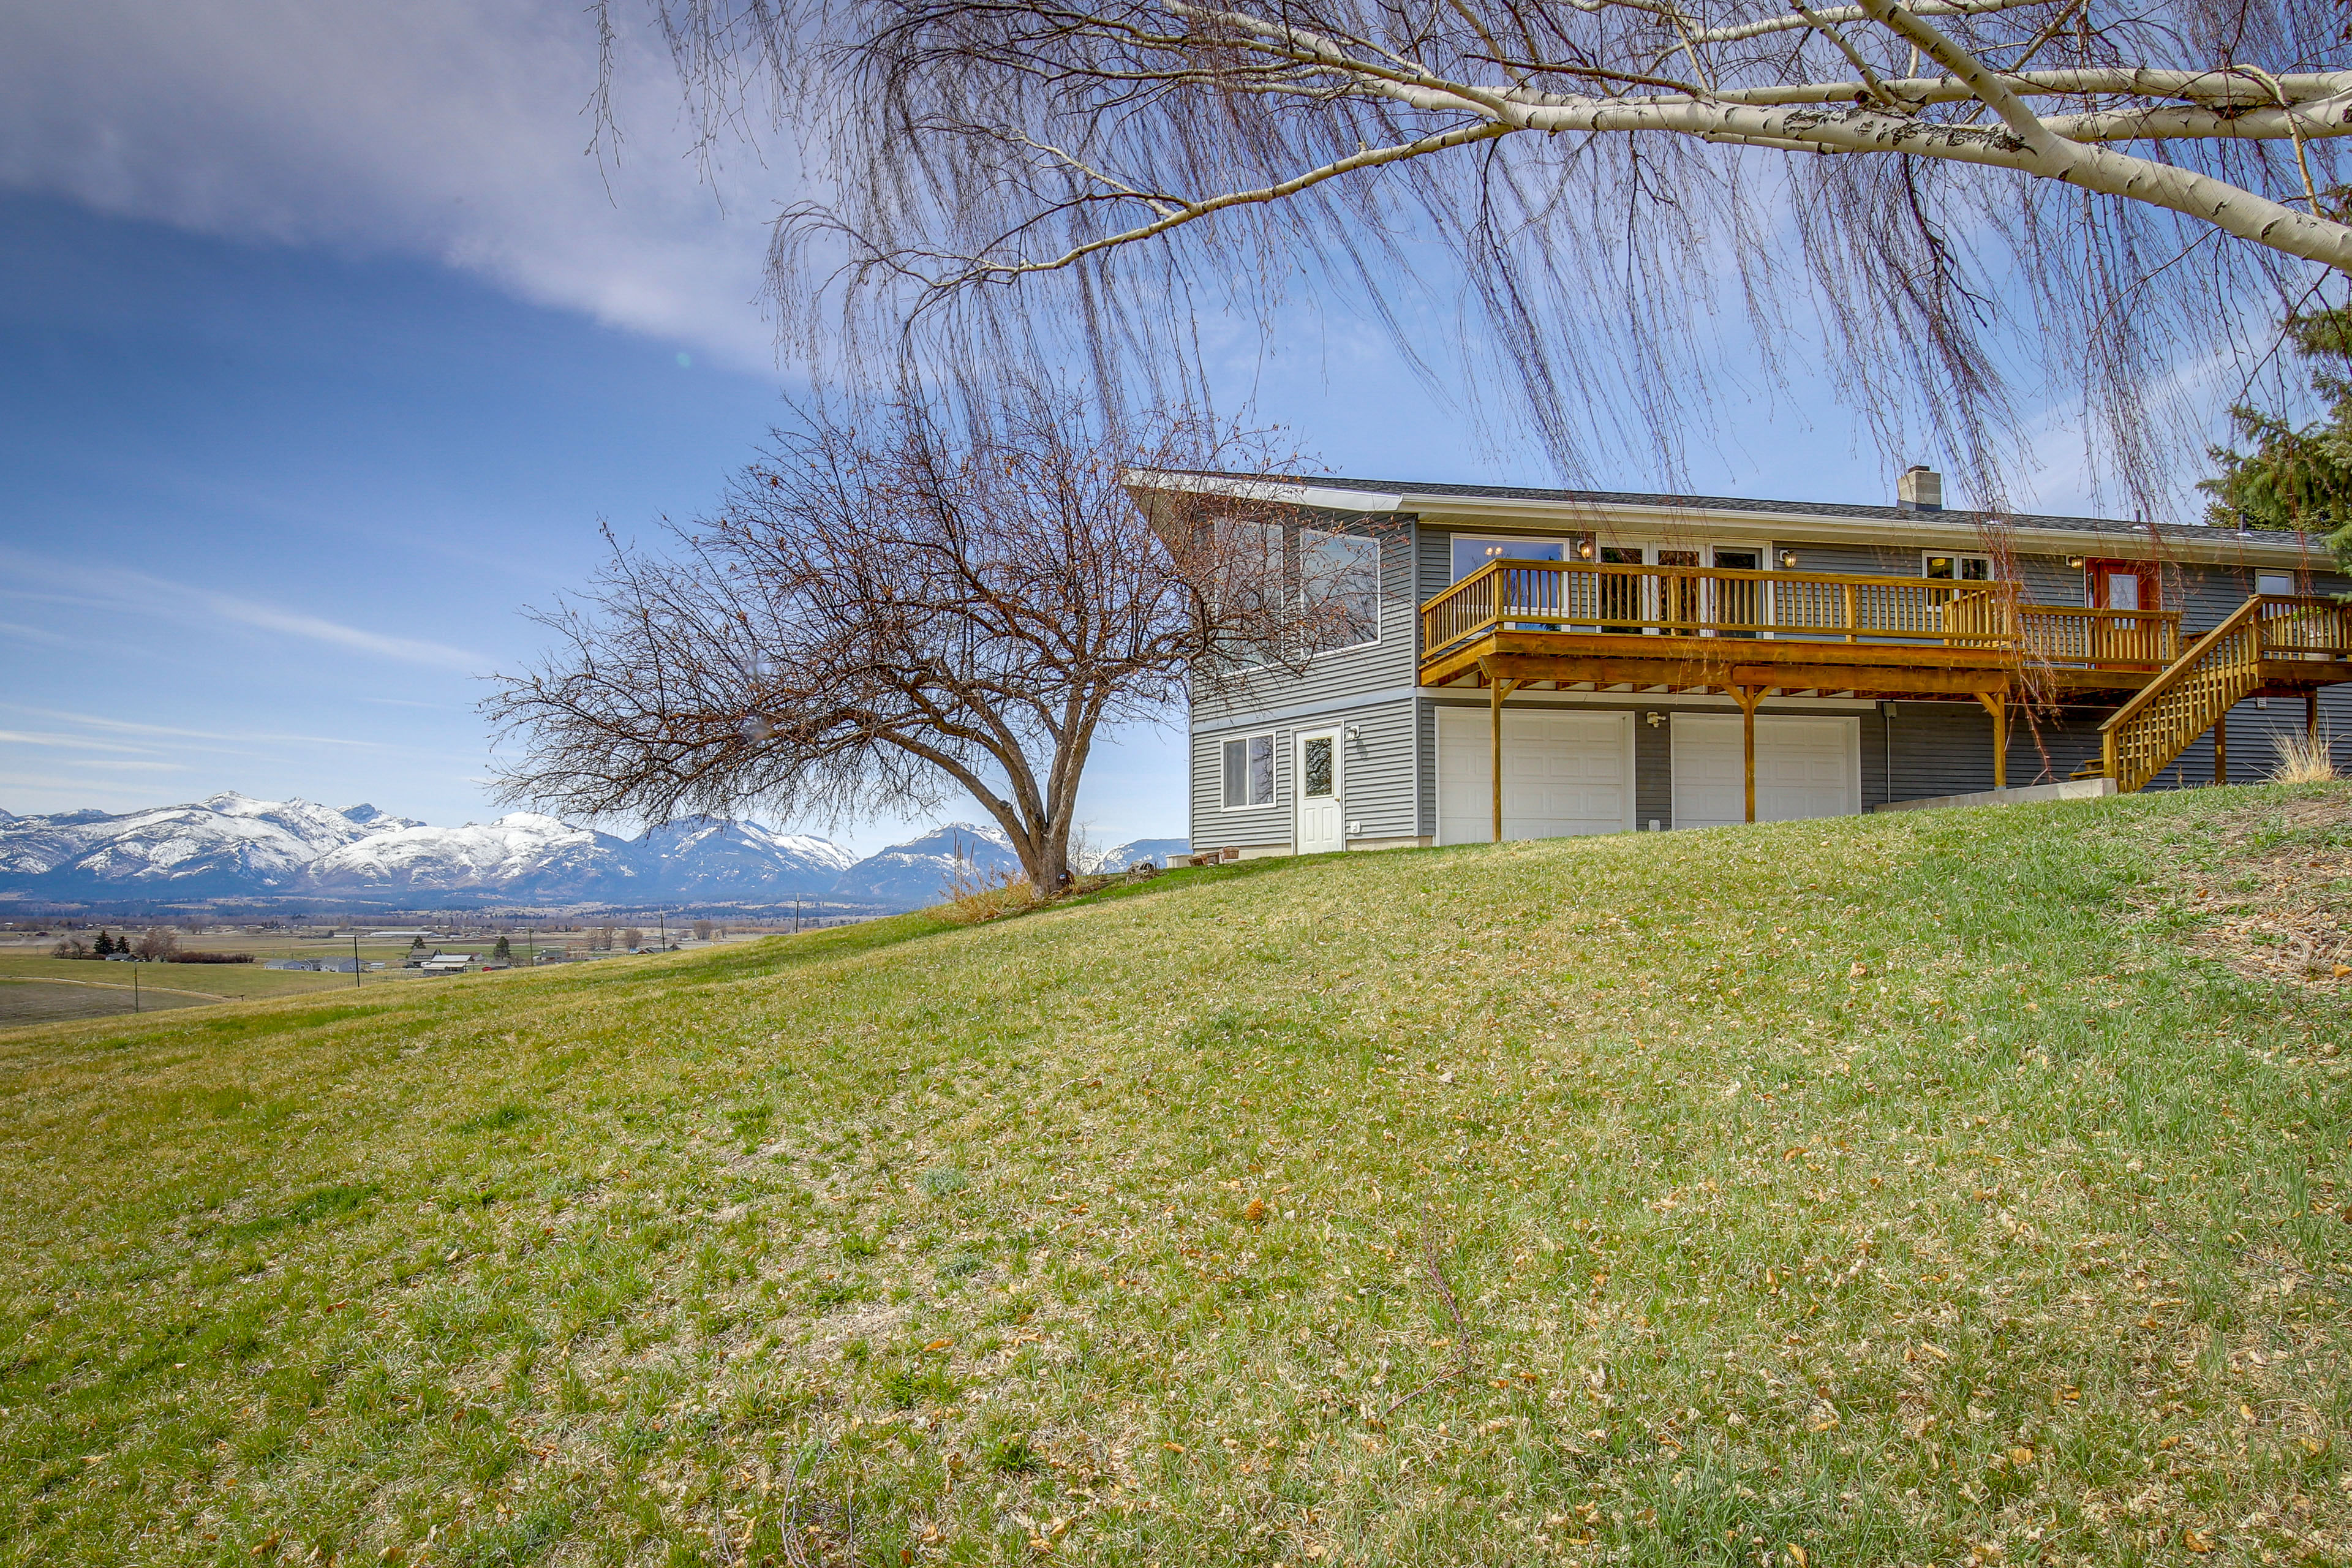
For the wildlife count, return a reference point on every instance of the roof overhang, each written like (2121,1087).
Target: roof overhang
(2215,546)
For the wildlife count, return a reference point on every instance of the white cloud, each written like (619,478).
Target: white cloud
(452,130)
(136,593)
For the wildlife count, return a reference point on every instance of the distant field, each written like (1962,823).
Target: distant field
(1949,1187)
(24,1002)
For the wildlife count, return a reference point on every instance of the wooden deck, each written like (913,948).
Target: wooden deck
(1574,625)
(1686,629)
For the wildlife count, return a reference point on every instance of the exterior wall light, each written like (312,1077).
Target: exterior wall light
(1788,561)
(2074,563)
(1584,550)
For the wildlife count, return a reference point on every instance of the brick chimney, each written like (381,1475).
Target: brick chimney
(1921,488)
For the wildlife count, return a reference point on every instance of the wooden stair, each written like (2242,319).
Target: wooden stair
(2217,672)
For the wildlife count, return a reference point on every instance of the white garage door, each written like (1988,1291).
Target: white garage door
(1804,768)
(1563,773)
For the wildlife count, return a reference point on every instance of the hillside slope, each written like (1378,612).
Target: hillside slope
(1905,1189)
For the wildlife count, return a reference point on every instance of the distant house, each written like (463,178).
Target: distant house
(1532,663)
(447,963)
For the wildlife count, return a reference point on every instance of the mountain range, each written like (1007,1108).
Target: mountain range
(232,846)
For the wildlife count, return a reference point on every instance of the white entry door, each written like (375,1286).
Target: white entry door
(1320,827)
(1563,773)
(1805,767)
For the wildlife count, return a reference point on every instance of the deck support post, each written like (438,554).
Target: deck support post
(1496,690)
(2222,749)
(1747,696)
(1997,704)
(2311,711)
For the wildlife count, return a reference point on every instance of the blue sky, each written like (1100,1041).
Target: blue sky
(323,349)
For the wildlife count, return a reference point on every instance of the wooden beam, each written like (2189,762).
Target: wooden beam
(1747,696)
(2311,711)
(1997,704)
(1624,659)
(1679,676)
(1865,677)
(2222,749)
(1497,688)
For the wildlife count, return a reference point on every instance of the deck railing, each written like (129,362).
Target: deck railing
(2220,669)
(1720,602)
(2100,638)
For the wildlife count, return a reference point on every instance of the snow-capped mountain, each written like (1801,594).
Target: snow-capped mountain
(226,843)
(522,854)
(232,846)
(708,858)
(919,871)
(1156,850)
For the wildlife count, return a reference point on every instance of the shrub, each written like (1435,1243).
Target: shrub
(211,958)
(2305,757)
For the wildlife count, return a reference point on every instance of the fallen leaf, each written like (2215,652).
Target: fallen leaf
(1255,1212)
(2196,1542)
(1795,1552)
(938,1345)
(2021,1455)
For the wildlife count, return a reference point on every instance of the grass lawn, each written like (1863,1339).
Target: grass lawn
(1943,1187)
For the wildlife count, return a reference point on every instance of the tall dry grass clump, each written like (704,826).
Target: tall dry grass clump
(2305,757)
(975,895)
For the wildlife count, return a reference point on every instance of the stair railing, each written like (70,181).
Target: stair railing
(2219,670)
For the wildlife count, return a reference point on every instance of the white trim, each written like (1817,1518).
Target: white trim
(2224,548)
(1273,787)
(1985,556)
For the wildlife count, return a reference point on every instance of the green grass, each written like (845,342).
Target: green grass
(1898,1190)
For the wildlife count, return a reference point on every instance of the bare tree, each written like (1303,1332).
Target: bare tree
(632,939)
(157,944)
(1911,192)
(882,615)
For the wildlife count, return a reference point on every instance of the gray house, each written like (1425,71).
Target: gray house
(1530,663)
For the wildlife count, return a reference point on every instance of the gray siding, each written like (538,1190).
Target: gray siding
(1346,674)
(2048,580)
(1376,779)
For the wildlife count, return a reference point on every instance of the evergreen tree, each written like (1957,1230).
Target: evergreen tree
(105,943)
(502,950)
(2295,478)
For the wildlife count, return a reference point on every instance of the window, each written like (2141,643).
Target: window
(1249,772)
(1469,554)
(1340,577)
(1959,568)
(1315,764)
(2282,582)
(2121,585)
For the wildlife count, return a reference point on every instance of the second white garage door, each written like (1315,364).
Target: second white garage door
(1563,773)
(1804,768)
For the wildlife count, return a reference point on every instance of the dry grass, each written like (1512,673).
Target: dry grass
(2268,891)
(2305,758)
(1875,1190)
(974,896)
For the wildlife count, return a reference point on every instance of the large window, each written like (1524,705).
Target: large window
(1340,580)
(1249,772)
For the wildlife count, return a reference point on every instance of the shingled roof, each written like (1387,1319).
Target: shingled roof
(1840,510)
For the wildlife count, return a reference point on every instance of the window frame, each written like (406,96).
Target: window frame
(1272,764)
(1296,573)
(1960,558)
